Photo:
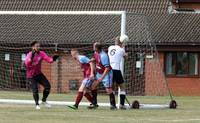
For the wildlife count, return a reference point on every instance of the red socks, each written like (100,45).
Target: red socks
(88,97)
(79,98)
(94,97)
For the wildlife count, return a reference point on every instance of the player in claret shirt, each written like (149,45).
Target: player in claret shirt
(103,74)
(88,71)
(34,75)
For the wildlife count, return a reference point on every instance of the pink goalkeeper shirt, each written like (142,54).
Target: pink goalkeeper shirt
(34,68)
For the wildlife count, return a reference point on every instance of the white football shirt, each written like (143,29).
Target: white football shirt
(115,53)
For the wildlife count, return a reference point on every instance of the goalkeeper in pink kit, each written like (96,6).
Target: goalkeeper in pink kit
(34,75)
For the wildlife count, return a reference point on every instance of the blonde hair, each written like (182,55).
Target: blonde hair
(117,40)
(74,50)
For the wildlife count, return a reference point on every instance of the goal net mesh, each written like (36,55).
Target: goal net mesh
(143,71)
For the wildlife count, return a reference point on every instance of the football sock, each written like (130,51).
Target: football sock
(78,98)
(88,97)
(122,97)
(94,97)
(112,99)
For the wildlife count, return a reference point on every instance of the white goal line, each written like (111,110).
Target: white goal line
(57,103)
(64,103)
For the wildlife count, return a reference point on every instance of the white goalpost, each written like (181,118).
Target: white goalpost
(122,14)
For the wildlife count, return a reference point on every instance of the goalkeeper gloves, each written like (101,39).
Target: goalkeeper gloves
(55,57)
(33,54)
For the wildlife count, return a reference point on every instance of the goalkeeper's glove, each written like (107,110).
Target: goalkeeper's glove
(33,54)
(55,57)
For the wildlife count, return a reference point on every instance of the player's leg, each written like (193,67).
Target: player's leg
(94,90)
(79,96)
(114,84)
(110,92)
(81,92)
(34,87)
(47,87)
(107,82)
(120,83)
(87,90)
(122,95)
(94,93)
(88,96)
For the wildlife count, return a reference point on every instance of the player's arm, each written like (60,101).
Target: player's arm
(86,60)
(106,64)
(48,58)
(92,60)
(29,59)
(107,69)
(125,54)
(92,70)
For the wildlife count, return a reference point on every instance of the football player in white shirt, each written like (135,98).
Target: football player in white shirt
(116,53)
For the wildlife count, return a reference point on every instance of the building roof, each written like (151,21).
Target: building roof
(176,29)
(152,22)
(137,6)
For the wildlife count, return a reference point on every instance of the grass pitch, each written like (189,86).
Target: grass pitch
(188,111)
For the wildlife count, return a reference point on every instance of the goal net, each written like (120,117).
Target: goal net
(60,31)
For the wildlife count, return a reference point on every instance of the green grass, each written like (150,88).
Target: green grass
(187,112)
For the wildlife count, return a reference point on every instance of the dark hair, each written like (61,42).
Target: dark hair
(98,45)
(33,43)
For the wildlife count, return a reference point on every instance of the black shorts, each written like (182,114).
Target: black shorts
(39,79)
(117,77)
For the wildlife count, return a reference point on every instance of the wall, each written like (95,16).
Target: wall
(185,86)
(154,77)
(61,72)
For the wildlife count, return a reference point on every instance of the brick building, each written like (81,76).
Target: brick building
(174,27)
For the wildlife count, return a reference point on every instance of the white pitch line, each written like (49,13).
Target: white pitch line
(64,103)
(31,102)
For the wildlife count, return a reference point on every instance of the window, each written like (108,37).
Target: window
(170,63)
(181,63)
(193,64)
(7,57)
(23,58)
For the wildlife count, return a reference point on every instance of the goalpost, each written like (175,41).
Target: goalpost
(114,20)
